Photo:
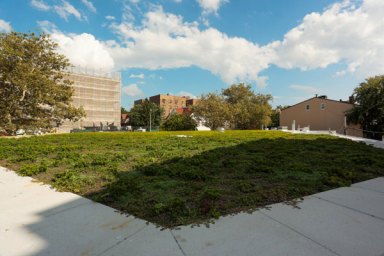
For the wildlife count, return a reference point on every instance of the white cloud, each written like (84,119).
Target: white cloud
(109,17)
(184,93)
(140,76)
(84,50)
(152,46)
(211,6)
(132,90)
(304,88)
(40,5)
(66,9)
(47,26)
(89,5)
(343,33)
(5,26)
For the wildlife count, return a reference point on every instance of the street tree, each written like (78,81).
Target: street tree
(369,108)
(275,116)
(212,110)
(179,122)
(247,109)
(34,90)
(145,113)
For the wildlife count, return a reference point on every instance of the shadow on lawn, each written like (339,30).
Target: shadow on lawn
(227,180)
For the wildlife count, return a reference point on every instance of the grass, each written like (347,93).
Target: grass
(172,180)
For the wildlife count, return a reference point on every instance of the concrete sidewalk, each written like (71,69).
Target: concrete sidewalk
(36,220)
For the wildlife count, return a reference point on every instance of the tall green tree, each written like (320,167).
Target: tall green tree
(236,107)
(177,122)
(123,111)
(369,108)
(212,110)
(247,109)
(275,116)
(34,91)
(142,114)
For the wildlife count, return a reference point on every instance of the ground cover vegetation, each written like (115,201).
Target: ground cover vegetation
(173,180)
(34,91)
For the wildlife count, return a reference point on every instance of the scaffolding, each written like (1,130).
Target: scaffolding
(99,95)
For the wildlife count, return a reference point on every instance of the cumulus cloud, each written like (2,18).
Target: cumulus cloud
(40,5)
(164,40)
(132,90)
(345,32)
(84,50)
(89,5)
(66,9)
(140,76)
(184,93)
(5,26)
(211,6)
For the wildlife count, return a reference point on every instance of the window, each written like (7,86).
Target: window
(163,100)
(322,106)
(176,101)
(307,107)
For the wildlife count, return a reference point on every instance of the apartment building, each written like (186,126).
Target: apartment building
(167,102)
(99,95)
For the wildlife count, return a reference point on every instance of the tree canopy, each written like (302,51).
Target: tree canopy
(177,122)
(369,108)
(236,107)
(141,114)
(34,91)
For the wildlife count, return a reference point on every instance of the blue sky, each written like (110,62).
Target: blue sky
(291,49)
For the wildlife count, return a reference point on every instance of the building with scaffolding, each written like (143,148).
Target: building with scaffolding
(99,95)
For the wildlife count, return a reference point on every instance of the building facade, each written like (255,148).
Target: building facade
(167,102)
(320,114)
(99,95)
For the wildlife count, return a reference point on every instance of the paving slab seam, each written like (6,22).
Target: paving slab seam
(350,208)
(301,234)
(121,241)
(177,242)
(67,209)
(373,190)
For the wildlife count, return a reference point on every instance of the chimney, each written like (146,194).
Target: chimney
(316,95)
(351,99)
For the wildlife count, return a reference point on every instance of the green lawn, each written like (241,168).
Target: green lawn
(174,180)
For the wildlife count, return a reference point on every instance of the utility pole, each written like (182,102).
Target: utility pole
(150,120)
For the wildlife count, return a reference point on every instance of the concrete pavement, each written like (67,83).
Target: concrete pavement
(37,220)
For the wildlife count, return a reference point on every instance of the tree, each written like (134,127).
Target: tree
(212,110)
(177,122)
(123,111)
(248,110)
(369,108)
(275,116)
(141,114)
(237,107)
(34,91)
